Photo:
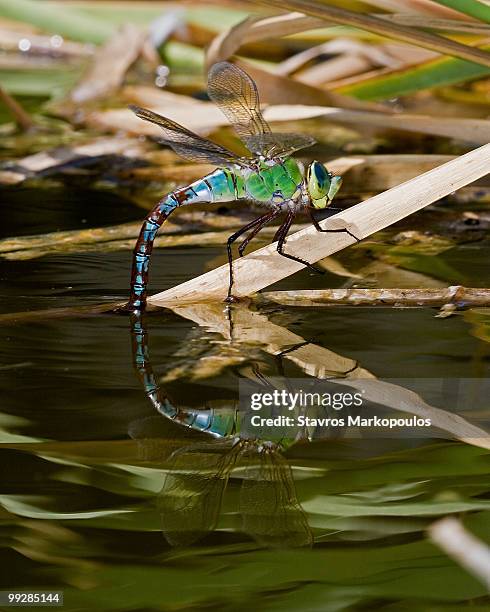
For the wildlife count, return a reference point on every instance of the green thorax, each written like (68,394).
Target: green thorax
(280,181)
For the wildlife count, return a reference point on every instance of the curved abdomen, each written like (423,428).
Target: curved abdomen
(222,185)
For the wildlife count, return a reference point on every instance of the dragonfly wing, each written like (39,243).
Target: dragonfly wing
(277,144)
(235,92)
(185,143)
(190,500)
(269,506)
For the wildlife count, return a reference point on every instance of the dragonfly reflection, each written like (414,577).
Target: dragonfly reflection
(193,489)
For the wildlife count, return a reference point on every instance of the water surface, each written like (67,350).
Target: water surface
(85,454)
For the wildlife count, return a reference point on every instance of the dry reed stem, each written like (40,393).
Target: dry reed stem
(22,118)
(447,25)
(44,160)
(427,297)
(462,546)
(265,266)
(176,239)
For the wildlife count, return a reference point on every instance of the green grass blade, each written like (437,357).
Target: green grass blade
(57,20)
(473,8)
(43,83)
(436,73)
(207,16)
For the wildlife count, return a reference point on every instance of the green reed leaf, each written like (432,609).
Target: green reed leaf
(436,73)
(65,21)
(474,8)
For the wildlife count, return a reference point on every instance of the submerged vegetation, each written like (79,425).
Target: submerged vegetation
(101,461)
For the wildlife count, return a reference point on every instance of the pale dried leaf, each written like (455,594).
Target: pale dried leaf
(110,64)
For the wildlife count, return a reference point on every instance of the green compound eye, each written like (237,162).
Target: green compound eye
(335,184)
(318,180)
(321,185)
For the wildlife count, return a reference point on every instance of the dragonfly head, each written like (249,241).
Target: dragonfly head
(321,184)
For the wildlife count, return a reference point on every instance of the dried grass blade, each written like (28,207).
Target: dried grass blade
(257,29)
(110,64)
(379,26)
(351,57)
(380,86)
(448,25)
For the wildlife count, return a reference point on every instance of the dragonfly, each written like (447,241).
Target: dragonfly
(197,475)
(269,176)
(195,483)
(224,423)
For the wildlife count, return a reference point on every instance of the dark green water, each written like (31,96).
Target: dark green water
(84,453)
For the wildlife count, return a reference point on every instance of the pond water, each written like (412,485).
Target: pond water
(85,454)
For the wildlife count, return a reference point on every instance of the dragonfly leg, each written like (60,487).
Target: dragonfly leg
(259,223)
(330,231)
(264,219)
(281,239)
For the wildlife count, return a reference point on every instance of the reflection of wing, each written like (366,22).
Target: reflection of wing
(234,91)
(277,144)
(269,506)
(186,143)
(230,88)
(190,500)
